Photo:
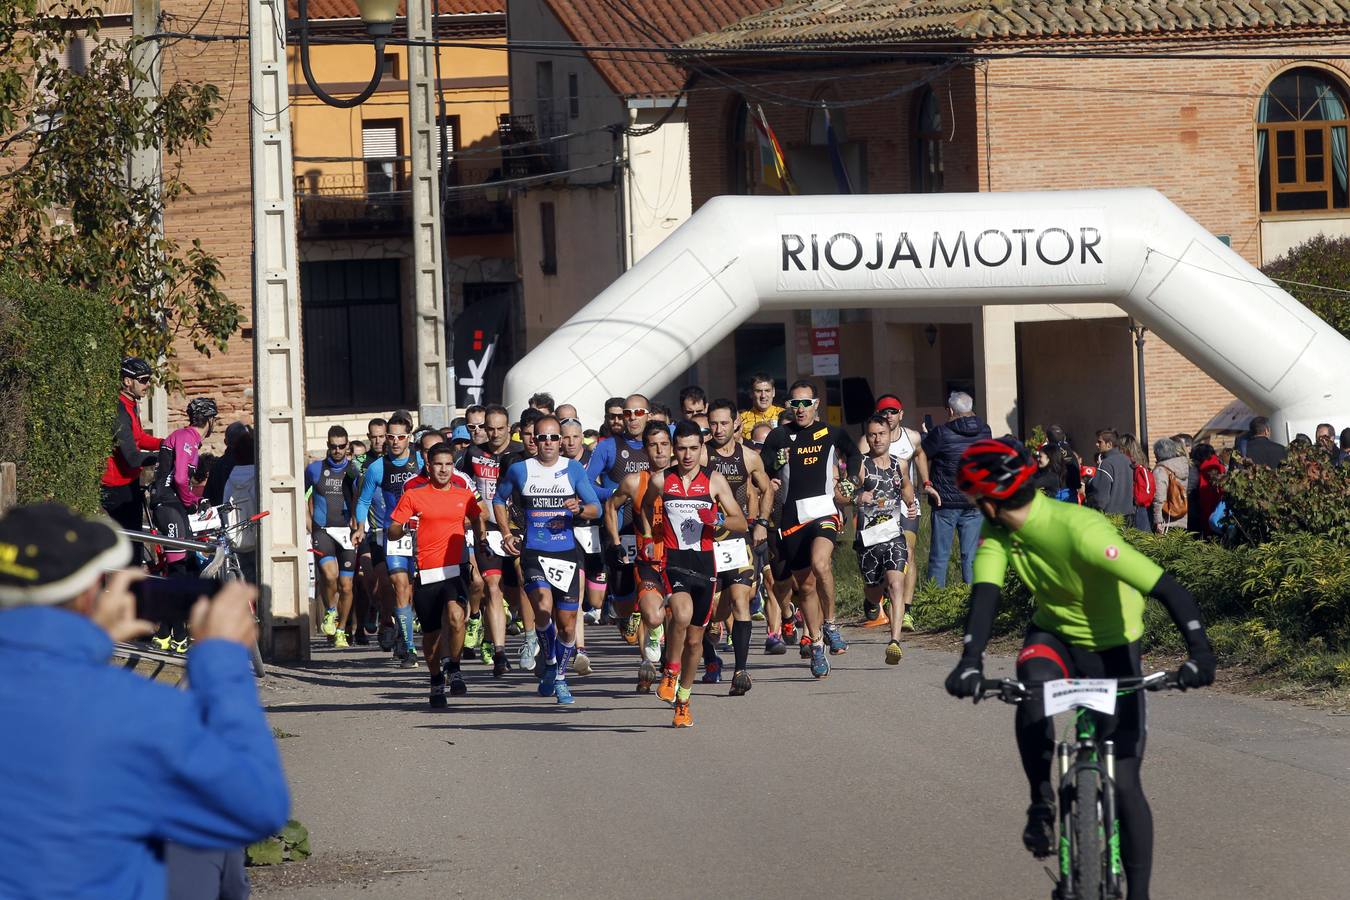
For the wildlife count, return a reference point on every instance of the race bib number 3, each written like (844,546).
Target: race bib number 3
(342,536)
(1087,693)
(558,572)
(732,555)
(401,547)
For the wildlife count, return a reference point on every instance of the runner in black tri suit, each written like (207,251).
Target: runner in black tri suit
(588,537)
(744,473)
(884,498)
(804,457)
(614,459)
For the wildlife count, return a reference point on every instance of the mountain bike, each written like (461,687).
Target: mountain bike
(1089,833)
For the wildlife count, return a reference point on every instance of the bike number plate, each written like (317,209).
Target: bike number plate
(1098,694)
(205,521)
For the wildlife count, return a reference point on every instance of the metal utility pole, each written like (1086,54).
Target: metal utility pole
(276,339)
(146,161)
(429,332)
(1138,331)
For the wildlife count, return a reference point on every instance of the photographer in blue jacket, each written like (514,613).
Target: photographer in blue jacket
(99,767)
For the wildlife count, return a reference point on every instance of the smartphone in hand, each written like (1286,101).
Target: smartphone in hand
(927,422)
(162,600)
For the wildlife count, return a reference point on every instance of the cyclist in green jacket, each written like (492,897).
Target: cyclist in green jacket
(1088,586)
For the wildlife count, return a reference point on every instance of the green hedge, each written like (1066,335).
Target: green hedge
(58,387)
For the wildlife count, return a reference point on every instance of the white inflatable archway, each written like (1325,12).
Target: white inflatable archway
(739,255)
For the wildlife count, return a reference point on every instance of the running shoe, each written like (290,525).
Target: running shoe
(457,686)
(630,630)
(907,621)
(607,615)
(774,645)
(647,674)
(893,653)
(437,697)
(485,653)
(500,664)
(548,680)
(514,626)
(361,638)
(713,671)
(340,640)
(563,693)
(417,626)
(1039,835)
(804,646)
(683,718)
(329,626)
(180,646)
(409,660)
(473,634)
(756,608)
(789,631)
(582,662)
(651,649)
(874,615)
(528,651)
(162,644)
(820,663)
(592,617)
(387,635)
(666,692)
(740,684)
(836,640)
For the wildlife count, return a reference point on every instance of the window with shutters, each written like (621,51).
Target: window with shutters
(353,335)
(381,147)
(451,132)
(1301,123)
(573,96)
(926,174)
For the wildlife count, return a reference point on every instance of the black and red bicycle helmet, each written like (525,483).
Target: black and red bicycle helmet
(994,468)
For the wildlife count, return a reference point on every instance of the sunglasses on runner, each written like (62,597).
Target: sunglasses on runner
(756,444)
(474,426)
(635,413)
(801,403)
(337,446)
(548,438)
(569,421)
(144,379)
(888,411)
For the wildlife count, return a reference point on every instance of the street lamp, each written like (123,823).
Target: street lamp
(378,16)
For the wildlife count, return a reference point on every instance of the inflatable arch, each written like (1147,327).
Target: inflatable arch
(1131,247)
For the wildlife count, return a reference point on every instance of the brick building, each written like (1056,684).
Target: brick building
(929,96)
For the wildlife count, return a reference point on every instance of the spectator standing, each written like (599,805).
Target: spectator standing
(1111,488)
(542,402)
(1050,475)
(1261,450)
(762,408)
(1057,443)
(693,402)
(953,512)
(100,767)
(1187,443)
(1208,468)
(1325,438)
(219,472)
(1171,494)
(1143,482)
(1344,453)
(121,494)
(241,491)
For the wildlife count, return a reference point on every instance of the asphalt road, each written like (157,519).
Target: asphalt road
(871,782)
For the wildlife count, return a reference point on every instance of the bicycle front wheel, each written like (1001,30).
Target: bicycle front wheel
(1087,835)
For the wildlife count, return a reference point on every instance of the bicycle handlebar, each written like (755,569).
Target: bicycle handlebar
(1011,691)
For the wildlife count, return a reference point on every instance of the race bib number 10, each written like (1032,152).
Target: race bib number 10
(401,547)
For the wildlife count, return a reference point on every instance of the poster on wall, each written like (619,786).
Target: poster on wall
(928,250)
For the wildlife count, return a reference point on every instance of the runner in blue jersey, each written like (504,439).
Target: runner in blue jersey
(331,485)
(613,460)
(550,491)
(387,476)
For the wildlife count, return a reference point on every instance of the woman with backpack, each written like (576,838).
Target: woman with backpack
(1171,477)
(1144,488)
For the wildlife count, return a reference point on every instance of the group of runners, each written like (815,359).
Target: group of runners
(677,531)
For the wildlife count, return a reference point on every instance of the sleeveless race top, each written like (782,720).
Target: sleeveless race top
(683,529)
(903,449)
(737,474)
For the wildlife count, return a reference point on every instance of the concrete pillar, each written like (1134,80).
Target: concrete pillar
(996,368)
(429,335)
(279,408)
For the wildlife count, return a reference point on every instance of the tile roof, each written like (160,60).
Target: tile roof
(893,21)
(347,9)
(593,22)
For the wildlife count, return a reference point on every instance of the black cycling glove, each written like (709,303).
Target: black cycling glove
(965,679)
(1198,670)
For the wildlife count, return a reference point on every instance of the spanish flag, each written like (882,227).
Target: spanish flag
(773,170)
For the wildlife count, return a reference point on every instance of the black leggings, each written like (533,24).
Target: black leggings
(1046,656)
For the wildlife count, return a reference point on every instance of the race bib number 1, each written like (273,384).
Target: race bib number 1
(343,536)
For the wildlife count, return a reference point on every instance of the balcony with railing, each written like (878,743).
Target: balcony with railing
(527,145)
(377,202)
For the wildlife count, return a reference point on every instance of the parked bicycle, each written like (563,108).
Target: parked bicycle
(1089,832)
